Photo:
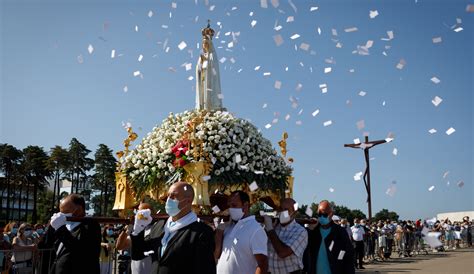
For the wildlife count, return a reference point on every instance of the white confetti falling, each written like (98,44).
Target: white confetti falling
(277,84)
(373,14)
(401,64)
(80,59)
(112,54)
(253,23)
(278,40)
(435,80)
(90,49)
(140,58)
(125,89)
(150,14)
(304,46)
(362,93)
(267,126)
(295,36)
(136,73)
(431,188)
(327,123)
(216,209)
(327,70)
(353,29)
(316,112)
(331,189)
(437,40)
(313,8)
(253,186)
(395,152)
(358,176)
(436,101)
(324,88)
(450,131)
(458,29)
(182,45)
(432,131)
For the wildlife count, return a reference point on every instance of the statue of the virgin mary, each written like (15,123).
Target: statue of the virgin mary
(208,84)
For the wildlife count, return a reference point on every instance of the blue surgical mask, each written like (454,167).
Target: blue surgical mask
(14,230)
(110,232)
(40,231)
(171,207)
(27,233)
(324,220)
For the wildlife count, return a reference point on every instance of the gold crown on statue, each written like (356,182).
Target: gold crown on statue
(208,32)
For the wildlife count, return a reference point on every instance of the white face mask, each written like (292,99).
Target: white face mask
(236,213)
(284,217)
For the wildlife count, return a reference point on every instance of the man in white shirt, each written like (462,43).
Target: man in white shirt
(358,241)
(287,241)
(241,244)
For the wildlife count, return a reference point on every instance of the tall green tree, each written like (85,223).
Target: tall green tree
(385,214)
(10,158)
(36,173)
(79,165)
(104,179)
(44,207)
(59,163)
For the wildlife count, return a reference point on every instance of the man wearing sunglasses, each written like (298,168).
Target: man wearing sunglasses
(287,240)
(330,248)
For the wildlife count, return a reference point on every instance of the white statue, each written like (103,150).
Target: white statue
(208,83)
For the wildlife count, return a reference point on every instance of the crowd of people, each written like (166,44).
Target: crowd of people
(185,244)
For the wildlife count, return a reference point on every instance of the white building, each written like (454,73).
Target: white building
(455,216)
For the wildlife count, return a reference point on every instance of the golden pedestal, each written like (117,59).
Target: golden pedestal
(124,197)
(194,176)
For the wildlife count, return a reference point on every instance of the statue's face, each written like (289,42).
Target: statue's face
(205,45)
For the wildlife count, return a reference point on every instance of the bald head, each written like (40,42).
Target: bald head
(325,208)
(184,194)
(182,189)
(74,204)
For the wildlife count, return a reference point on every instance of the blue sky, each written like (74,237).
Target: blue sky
(52,89)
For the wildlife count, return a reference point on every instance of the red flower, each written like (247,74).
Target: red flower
(181,162)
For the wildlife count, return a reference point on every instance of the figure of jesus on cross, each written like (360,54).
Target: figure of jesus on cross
(366,146)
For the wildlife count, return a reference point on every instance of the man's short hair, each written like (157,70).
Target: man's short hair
(78,200)
(244,197)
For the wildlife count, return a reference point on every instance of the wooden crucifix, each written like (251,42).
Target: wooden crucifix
(366,146)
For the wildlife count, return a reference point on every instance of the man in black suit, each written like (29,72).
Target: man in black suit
(329,246)
(180,244)
(77,244)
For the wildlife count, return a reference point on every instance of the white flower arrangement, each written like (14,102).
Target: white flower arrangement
(236,149)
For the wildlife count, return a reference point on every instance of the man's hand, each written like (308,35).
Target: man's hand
(58,220)
(313,226)
(267,220)
(142,219)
